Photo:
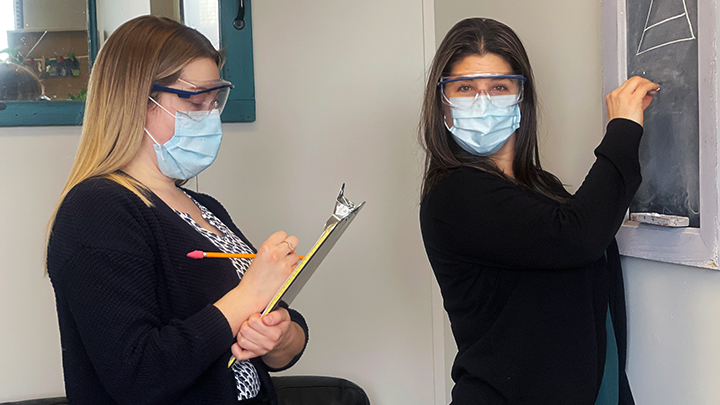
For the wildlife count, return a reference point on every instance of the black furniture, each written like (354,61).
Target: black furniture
(292,390)
(316,390)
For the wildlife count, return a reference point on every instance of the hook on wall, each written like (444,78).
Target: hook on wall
(239,21)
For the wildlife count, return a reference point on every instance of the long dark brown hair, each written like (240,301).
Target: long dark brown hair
(480,36)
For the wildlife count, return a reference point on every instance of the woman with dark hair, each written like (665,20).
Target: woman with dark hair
(530,274)
(140,322)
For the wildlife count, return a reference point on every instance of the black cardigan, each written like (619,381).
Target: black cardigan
(526,281)
(137,320)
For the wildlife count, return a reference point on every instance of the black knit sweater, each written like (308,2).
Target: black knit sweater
(526,280)
(137,320)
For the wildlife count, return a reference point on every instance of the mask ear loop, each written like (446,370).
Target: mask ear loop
(445,123)
(151,137)
(164,109)
(446,101)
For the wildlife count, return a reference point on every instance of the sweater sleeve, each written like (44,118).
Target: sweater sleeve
(109,285)
(478,217)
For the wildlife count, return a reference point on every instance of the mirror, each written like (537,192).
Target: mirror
(47,50)
(199,14)
(44,43)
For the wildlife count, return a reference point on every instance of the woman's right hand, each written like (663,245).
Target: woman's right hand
(631,99)
(275,260)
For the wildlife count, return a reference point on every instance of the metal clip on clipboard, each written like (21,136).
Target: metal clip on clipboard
(345,211)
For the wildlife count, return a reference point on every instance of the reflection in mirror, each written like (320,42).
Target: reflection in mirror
(43,42)
(50,45)
(112,14)
(199,14)
(203,16)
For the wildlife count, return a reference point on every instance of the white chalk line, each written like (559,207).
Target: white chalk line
(664,21)
(692,33)
(647,19)
(665,44)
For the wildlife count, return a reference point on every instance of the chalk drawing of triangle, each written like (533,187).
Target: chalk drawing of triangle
(667,23)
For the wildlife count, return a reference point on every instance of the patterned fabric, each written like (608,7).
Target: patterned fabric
(246,377)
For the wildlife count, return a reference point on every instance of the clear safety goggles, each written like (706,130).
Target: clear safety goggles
(463,91)
(198,99)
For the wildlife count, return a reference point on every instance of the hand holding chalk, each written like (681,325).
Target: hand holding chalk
(631,99)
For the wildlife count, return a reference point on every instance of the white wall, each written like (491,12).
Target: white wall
(338,88)
(673,311)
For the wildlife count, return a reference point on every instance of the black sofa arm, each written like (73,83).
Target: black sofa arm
(292,390)
(316,390)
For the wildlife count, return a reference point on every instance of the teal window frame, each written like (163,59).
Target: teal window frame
(238,69)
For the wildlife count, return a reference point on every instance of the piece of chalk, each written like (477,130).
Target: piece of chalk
(654,218)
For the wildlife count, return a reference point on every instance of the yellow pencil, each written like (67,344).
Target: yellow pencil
(199,254)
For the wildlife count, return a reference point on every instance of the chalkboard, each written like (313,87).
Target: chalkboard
(662,46)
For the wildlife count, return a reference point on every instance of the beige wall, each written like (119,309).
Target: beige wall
(35,162)
(338,88)
(673,311)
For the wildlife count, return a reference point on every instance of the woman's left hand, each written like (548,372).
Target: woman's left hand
(273,336)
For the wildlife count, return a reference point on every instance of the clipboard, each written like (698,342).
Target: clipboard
(344,213)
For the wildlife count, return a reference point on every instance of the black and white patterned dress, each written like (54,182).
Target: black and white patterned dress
(246,376)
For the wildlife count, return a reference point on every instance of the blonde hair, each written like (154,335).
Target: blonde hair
(144,51)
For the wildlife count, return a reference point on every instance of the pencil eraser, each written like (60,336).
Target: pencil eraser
(196,254)
(654,218)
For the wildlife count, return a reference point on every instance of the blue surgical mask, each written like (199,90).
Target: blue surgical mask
(483,128)
(193,147)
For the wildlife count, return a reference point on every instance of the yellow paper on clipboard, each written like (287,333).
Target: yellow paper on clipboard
(345,211)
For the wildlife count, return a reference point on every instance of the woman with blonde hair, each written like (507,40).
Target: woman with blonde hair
(140,322)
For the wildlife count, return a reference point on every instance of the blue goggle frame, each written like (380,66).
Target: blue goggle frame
(222,87)
(188,94)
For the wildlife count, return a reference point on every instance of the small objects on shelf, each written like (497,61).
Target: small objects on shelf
(74,64)
(32,65)
(50,67)
(62,67)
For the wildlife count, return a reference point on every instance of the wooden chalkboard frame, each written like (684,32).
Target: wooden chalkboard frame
(687,246)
